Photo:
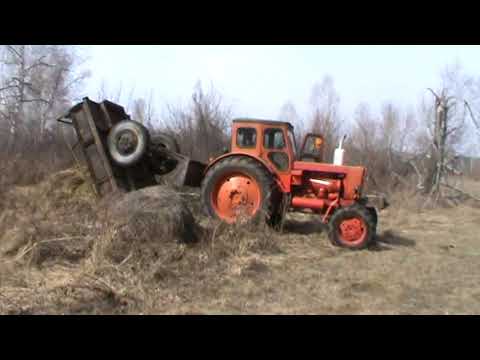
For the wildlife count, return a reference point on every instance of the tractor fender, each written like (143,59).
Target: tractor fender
(267,166)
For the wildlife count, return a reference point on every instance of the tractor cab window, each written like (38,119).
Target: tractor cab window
(274,139)
(246,137)
(293,142)
(312,148)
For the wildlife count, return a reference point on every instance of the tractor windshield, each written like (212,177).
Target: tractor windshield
(294,144)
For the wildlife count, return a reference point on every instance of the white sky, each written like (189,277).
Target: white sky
(258,80)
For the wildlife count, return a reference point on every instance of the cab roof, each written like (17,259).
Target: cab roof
(263,121)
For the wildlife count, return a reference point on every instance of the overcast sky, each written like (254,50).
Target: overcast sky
(258,80)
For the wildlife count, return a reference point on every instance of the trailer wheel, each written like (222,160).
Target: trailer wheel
(165,141)
(239,189)
(352,227)
(127,142)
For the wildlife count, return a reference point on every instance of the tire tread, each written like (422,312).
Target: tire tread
(365,214)
(253,168)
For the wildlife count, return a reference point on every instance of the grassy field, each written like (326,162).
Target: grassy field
(54,261)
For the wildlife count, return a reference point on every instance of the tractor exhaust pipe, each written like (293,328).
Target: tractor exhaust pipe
(339,153)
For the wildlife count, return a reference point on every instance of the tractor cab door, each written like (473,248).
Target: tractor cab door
(276,148)
(312,148)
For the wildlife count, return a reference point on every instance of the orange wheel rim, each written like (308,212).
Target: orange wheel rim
(353,231)
(236,196)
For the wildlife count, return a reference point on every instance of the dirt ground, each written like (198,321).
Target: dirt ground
(54,261)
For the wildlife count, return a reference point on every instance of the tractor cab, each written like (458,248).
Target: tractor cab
(274,142)
(271,141)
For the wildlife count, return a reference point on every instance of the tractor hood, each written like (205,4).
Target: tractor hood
(352,176)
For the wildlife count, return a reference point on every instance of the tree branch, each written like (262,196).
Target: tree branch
(450,98)
(460,191)
(452,130)
(419,175)
(39,62)
(434,94)
(474,120)
(36,100)
(22,82)
(8,87)
(12,49)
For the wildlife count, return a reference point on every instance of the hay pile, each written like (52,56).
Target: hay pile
(51,219)
(149,222)
(63,251)
(66,190)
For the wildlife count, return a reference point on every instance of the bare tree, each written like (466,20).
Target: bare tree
(472,103)
(144,111)
(362,144)
(395,139)
(383,144)
(447,128)
(202,125)
(114,95)
(475,121)
(37,83)
(289,113)
(325,117)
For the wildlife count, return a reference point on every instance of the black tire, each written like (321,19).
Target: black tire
(127,143)
(270,198)
(374,214)
(165,141)
(355,211)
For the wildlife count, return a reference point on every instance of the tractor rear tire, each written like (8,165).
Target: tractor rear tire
(243,183)
(374,214)
(352,227)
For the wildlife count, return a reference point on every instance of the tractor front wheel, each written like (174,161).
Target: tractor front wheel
(352,227)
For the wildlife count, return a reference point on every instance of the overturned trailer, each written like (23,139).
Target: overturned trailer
(122,155)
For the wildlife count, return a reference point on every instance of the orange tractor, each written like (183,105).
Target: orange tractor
(261,178)
(264,176)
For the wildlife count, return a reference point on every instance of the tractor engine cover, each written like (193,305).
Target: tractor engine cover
(323,187)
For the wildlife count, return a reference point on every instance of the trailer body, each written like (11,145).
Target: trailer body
(93,122)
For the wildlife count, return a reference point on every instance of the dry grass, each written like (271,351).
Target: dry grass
(57,258)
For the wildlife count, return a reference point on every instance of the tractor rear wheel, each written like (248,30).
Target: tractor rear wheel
(374,214)
(352,227)
(239,189)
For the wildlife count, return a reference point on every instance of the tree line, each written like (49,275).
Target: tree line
(418,148)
